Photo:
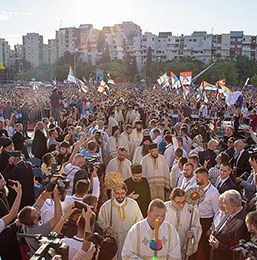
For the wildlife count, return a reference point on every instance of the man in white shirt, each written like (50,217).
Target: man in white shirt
(189,177)
(208,208)
(169,151)
(157,136)
(175,168)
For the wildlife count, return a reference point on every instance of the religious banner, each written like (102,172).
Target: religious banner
(185,78)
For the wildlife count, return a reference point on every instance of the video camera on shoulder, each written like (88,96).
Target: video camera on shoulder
(245,250)
(50,180)
(253,152)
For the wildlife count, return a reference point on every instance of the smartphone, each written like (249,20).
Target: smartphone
(11,183)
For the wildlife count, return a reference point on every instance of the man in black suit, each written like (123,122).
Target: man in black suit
(7,147)
(231,150)
(223,143)
(21,171)
(209,154)
(224,181)
(242,160)
(19,140)
(233,228)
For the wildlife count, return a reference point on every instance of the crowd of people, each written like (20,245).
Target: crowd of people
(153,146)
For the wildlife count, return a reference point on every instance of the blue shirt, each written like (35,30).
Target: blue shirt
(87,154)
(240,100)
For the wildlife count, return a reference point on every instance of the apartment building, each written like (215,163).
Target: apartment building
(4,53)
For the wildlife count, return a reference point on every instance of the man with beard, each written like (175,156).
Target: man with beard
(112,121)
(208,208)
(120,164)
(7,148)
(118,215)
(21,171)
(134,115)
(130,140)
(142,150)
(4,202)
(138,188)
(119,116)
(39,148)
(114,142)
(156,170)
(137,132)
(179,215)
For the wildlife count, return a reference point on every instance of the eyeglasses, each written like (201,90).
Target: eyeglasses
(180,203)
(230,142)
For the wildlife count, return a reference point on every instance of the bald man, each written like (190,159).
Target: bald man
(242,160)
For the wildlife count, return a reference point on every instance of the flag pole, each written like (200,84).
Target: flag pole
(198,75)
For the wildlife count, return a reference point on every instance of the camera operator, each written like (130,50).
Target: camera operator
(74,172)
(224,141)
(48,208)
(29,217)
(9,246)
(247,184)
(21,171)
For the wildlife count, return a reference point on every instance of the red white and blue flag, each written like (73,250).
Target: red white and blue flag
(71,76)
(82,86)
(111,81)
(185,91)
(34,96)
(174,81)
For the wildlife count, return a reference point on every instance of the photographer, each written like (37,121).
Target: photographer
(9,246)
(74,172)
(29,218)
(86,222)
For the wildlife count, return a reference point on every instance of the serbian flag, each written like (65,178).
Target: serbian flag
(108,74)
(111,81)
(201,95)
(222,88)
(175,83)
(71,76)
(142,80)
(83,107)
(84,79)
(82,86)
(185,91)
(54,82)
(34,96)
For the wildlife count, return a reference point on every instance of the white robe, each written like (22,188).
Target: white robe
(131,143)
(137,135)
(122,167)
(112,146)
(156,171)
(136,245)
(182,226)
(124,217)
(174,174)
(111,123)
(138,155)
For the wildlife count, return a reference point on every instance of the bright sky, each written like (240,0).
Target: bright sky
(17,17)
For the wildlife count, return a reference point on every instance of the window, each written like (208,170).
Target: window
(233,40)
(194,40)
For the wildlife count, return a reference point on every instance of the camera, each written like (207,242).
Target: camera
(76,137)
(50,180)
(81,205)
(245,250)
(11,183)
(253,152)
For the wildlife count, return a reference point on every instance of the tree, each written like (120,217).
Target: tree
(254,80)
(246,68)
